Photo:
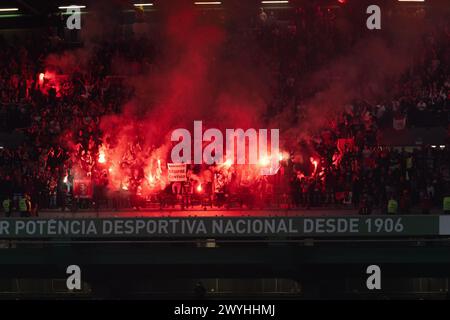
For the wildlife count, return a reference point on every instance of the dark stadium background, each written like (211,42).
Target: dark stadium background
(364,120)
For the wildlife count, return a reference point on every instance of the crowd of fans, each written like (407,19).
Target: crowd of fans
(58,129)
(367,174)
(43,118)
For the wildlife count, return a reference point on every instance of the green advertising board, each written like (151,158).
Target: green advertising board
(227,227)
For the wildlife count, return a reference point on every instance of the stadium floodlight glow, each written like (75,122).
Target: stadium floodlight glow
(207,2)
(8,9)
(142,4)
(72,7)
(274,1)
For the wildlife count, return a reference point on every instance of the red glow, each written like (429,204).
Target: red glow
(282,156)
(300,175)
(342,1)
(49,75)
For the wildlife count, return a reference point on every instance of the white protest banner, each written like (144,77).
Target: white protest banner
(176,172)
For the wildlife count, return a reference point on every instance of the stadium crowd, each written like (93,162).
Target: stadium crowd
(59,129)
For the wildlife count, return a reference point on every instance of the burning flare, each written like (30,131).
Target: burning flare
(101,156)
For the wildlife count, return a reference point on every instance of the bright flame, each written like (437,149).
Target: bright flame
(264,161)
(315,163)
(41,78)
(101,157)
(199,188)
(65,179)
(283,156)
(228,163)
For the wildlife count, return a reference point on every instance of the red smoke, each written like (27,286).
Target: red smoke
(193,79)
